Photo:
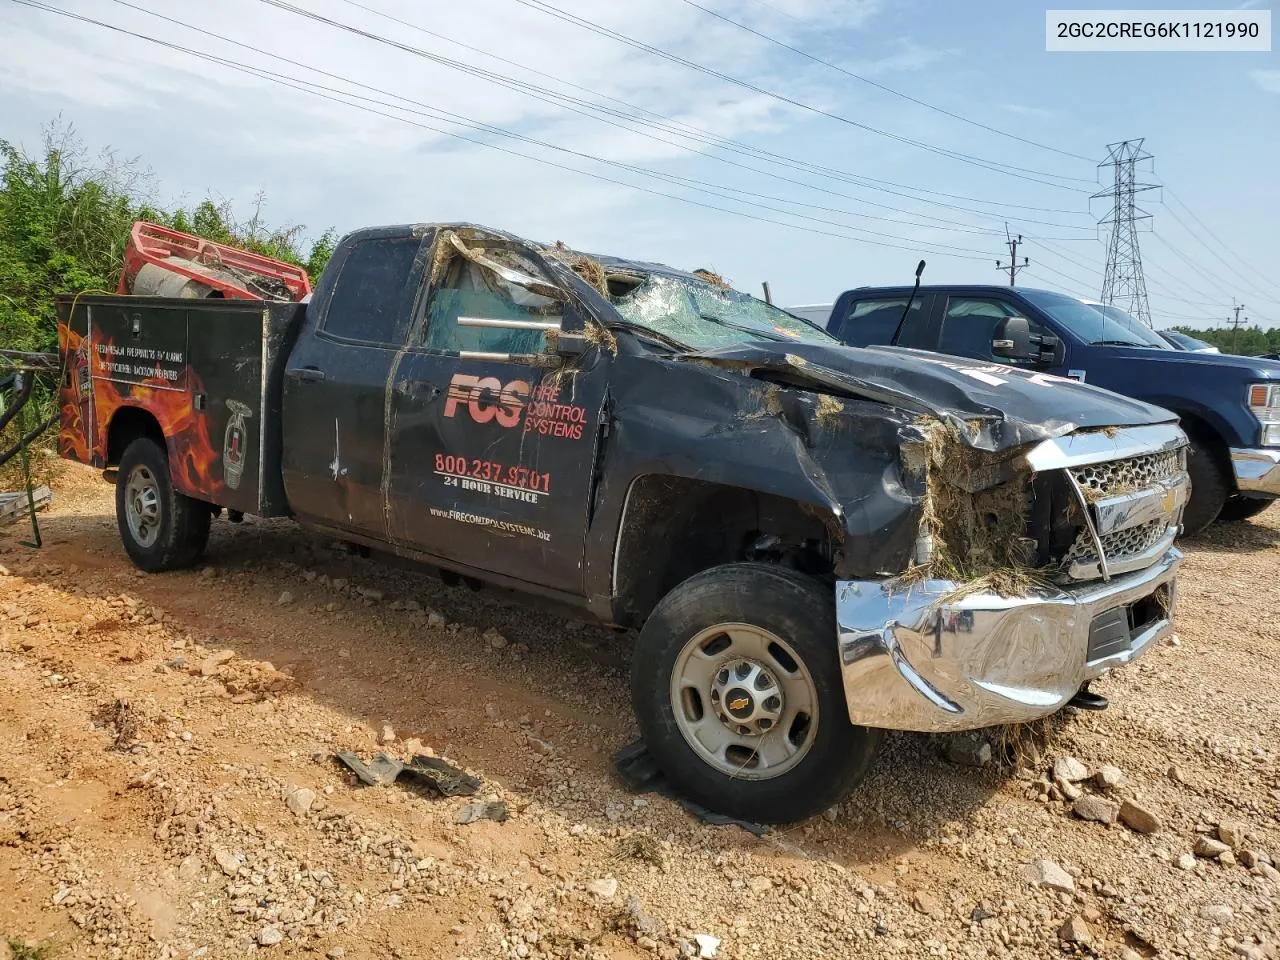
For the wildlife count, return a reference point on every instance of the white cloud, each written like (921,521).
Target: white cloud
(1268,80)
(1024,110)
(263,132)
(208,129)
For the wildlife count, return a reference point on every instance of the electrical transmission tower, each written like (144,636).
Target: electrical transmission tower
(1123,284)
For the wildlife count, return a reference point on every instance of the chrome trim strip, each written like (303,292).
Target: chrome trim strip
(1080,448)
(1163,499)
(508,324)
(1089,525)
(1091,571)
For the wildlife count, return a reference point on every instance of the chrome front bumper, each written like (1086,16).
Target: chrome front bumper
(914,660)
(1257,471)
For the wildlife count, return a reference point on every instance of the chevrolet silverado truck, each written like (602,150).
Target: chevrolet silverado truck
(815,543)
(1229,406)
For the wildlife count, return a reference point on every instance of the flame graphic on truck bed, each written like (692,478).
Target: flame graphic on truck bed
(84,433)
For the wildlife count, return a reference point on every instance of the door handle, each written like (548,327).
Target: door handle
(306,374)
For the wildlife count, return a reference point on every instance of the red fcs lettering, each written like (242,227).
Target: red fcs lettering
(487,398)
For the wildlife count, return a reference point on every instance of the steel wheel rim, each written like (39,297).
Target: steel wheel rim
(722,685)
(142,505)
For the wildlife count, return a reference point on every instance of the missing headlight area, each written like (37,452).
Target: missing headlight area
(973,520)
(988,522)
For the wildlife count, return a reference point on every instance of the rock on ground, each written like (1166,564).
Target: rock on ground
(1209,848)
(606,888)
(1097,809)
(1070,769)
(1076,930)
(1138,818)
(1046,873)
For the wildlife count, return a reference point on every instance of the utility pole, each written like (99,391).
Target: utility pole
(1236,323)
(1014,266)
(1123,284)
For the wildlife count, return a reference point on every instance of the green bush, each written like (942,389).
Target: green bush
(65,218)
(64,223)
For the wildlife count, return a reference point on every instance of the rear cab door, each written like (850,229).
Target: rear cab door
(870,318)
(336,381)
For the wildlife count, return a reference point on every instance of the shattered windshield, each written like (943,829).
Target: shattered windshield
(705,315)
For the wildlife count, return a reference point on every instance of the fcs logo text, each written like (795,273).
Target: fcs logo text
(487,398)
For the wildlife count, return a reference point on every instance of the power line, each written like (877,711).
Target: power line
(315,90)
(940,224)
(542,93)
(1022,173)
(715,139)
(1072,280)
(1248,281)
(703,135)
(703,186)
(1244,263)
(887,89)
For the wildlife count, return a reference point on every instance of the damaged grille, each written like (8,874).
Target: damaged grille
(1125,548)
(1124,476)
(1120,546)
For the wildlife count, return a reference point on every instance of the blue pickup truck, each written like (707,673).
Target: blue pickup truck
(1229,405)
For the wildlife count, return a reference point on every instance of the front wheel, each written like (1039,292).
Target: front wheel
(1210,487)
(737,689)
(1242,508)
(161,529)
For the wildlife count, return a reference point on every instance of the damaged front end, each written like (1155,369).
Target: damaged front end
(1037,569)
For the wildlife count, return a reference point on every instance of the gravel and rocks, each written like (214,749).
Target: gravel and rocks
(223,828)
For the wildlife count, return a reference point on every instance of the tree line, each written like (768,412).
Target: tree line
(65,216)
(1247,341)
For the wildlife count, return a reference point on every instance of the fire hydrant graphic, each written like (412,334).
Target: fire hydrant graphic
(234,442)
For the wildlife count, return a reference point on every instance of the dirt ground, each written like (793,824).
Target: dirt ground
(168,788)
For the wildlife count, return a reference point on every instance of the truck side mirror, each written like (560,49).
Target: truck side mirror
(1012,339)
(1052,350)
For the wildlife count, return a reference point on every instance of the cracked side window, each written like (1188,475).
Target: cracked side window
(466,289)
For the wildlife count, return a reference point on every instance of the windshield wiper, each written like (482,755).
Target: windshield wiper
(1122,343)
(737,326)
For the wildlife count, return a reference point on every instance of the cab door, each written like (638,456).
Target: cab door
(493,450)
(335,385)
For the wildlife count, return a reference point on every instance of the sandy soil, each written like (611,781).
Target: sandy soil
(167,787)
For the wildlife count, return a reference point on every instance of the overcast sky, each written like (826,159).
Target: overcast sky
(834,204)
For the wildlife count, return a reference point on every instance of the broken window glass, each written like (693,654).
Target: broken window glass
(489,284)
(706,315)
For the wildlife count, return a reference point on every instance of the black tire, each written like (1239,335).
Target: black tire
(801,612)
(1242,508)
(1210,487)
(177,534)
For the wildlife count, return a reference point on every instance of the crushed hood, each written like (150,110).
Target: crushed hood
(993,407)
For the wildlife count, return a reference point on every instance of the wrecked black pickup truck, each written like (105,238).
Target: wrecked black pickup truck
(815,542)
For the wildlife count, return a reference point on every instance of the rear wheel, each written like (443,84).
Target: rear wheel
(737,688)
(161,529)
(1210,487)
(1242,508)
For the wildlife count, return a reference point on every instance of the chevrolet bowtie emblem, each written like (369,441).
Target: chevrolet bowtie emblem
(739,704)
(1169,500)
